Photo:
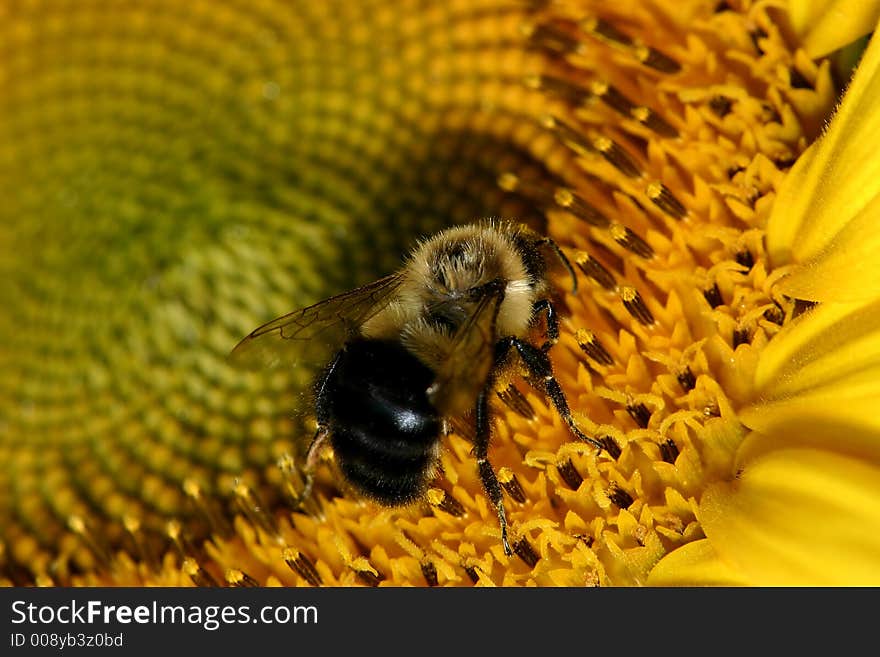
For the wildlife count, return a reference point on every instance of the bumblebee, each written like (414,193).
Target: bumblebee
(419,347)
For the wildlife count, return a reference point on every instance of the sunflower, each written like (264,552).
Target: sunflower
(175,175)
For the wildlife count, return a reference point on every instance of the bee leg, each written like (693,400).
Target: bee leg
(312,456)
(539,367)
(552,331)
(487,473)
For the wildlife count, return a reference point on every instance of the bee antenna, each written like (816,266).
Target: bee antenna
(564,260)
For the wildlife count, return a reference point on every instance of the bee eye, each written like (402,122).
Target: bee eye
(447,319)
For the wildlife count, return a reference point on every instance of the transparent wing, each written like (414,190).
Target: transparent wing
(462,375)
(308,335)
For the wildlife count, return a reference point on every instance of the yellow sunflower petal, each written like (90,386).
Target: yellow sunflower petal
(825,411)
(694,563)
(826,25)
(845,268)
(824,216)
(798,517)
(825,365)
(828,436)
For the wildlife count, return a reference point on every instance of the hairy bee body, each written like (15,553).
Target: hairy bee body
(472,278)
(373,401)
(419,347)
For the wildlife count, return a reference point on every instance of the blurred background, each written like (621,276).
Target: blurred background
(173,174)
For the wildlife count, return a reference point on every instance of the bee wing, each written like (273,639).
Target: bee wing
(462,375)
(309,334)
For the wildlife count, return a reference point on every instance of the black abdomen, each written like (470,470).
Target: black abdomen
(384,431)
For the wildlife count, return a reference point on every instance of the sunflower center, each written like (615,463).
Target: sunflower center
(647,138)
(659,170)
